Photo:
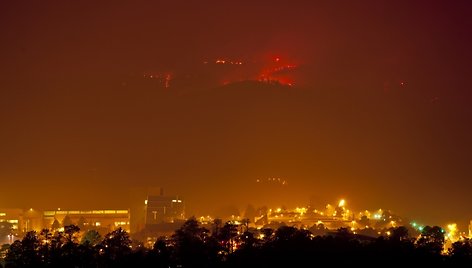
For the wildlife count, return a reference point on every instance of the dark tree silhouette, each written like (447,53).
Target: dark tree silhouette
(344,233)
(248,240)
(245,222)
(46,237)
(189,242)
(115,246)
(14,257)
(228,235)
(70,233)
(91,238)
(64,248)
(192,246)
(285,233)
(318,229)
(3,251)
(399,234)
(162,253)
(371,232)
(24,253)
(267,234)
(431,240)
(461,251)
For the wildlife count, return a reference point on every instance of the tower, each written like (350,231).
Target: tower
(163,209)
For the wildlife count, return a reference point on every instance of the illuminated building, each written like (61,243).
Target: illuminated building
(163,209)
(33,220)
(21,220)
(14,222)
(470,229)
(13,217)
(103,221)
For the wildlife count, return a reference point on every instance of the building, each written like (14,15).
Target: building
(12,219)
(103,220)
(470,229)
(21,221)
(11,225)
(14,222)
(163,209)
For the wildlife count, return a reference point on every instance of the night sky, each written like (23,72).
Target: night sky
(380,112)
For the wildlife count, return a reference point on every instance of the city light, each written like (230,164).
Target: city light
(340,133)
(452,232)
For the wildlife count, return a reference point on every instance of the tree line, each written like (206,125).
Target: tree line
(230,245)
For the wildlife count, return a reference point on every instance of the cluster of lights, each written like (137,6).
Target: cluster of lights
(277,180)
(417,226)
(335,213)
(453,233)
(301,211)
(283,68)
(164,78)
(205,219)
(273,71)
(222,61)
